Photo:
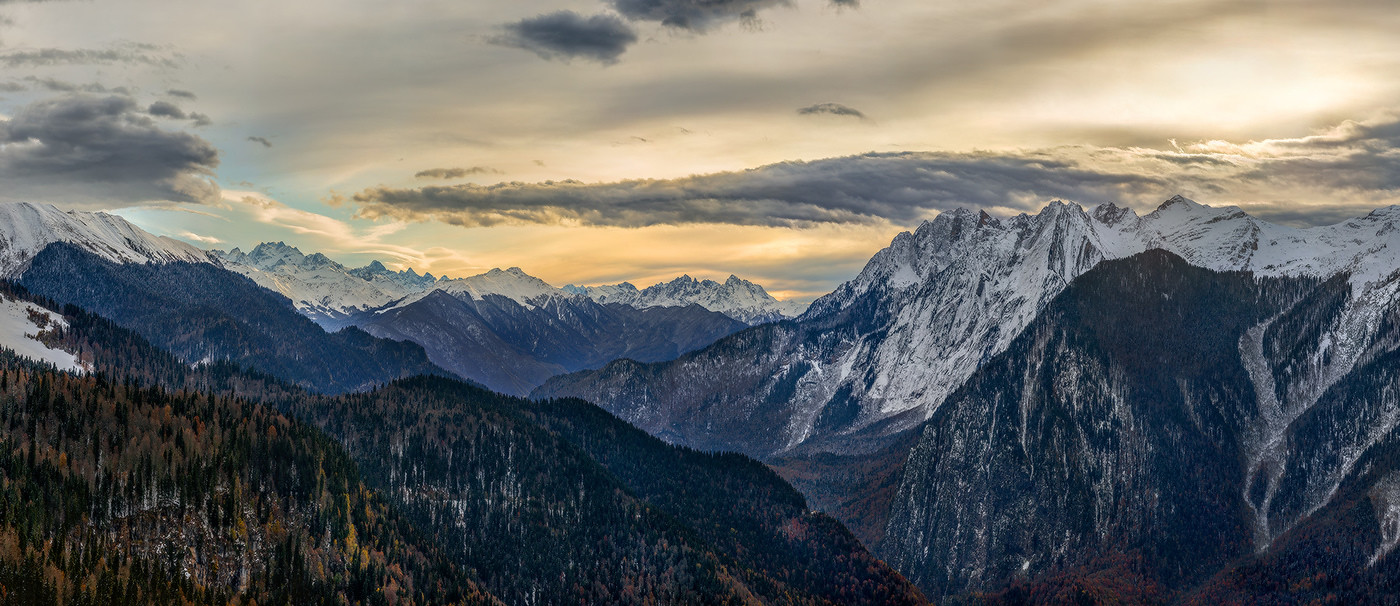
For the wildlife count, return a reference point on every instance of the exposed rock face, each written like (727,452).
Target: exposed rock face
(1187,417)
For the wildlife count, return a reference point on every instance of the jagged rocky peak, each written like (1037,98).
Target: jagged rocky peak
(622,292)
(1179,201)
(275,250)
(736,297)
(374,268)
(318,260)
(1111,214)
(984,219)
(406,280)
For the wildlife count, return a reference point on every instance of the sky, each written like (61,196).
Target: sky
(595,141)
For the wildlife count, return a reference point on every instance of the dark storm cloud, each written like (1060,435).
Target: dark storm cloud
(135,54)
(1291,213)
(261,140)
(694,15)
(166,109)
(835,109)
(84,149)
(183,94)
(901,188)
(454,173)
(568,35)
(1268,178)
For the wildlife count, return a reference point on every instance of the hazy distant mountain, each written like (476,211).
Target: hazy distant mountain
(320,288)
(513,345)
(505,328)
(328,292)
(737,298)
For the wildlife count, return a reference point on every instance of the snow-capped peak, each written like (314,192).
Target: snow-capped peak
(26,228)
(318,286)
(735,297)
(960,287)
(512,283)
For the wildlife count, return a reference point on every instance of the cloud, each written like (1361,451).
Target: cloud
(183,94)
(694,15)
(189,235)
(60,86)
(261,140)
(132,54)
(88,150)
(1307,180)
(166,109)
(835,109)
(901,188)
(567,35)
(326,234)
(454,173)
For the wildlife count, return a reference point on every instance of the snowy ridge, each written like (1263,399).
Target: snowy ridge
(959,288)
(27,228)
(735,297)
(319,287)
(511,283)
(21,326)
(326,290)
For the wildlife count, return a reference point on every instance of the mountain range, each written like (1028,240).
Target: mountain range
(1190,405)
(504,328)
(214,484)
(330,293)
(903,366)
(880,353)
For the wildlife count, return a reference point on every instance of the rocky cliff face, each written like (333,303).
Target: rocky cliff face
(1158,411)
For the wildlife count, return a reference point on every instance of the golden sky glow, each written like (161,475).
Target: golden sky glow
(354,95)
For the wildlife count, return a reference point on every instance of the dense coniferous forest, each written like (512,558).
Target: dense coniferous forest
(112,492)
(564,490)
(428,490)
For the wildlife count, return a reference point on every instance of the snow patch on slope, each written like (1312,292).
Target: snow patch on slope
(22,325)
